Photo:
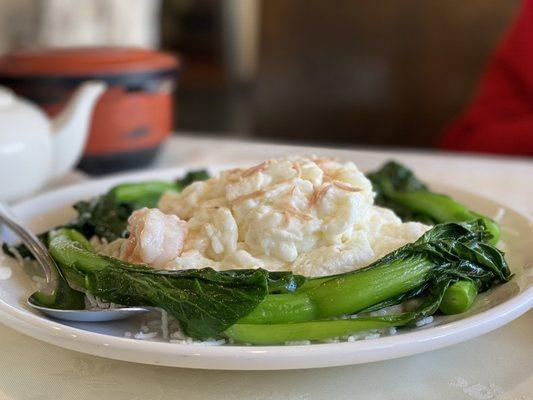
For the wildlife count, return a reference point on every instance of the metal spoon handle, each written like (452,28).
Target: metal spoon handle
(36,247)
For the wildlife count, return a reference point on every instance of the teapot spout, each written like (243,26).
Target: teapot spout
(71,126)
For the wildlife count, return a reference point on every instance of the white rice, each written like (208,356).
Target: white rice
(424,321)
(145,336)
(154,326)
(298,343)
(113,249)
(372,336)
(93,303)
(98,242)
(388,310)
(209,342)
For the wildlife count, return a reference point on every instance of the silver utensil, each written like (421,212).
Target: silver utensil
(45,260)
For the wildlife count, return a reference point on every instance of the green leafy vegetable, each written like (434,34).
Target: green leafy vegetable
(148,193)
(397,188)
(192,176)
(444,269)
(264,334)
(459,297)
(208,303)
(107,216)
(204,301)
(141,194)
(442,256)
(102,216)
(312,330)
(59,294)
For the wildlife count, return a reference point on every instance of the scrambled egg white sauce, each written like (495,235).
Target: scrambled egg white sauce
(315,217)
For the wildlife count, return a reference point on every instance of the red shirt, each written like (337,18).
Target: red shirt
(500,117)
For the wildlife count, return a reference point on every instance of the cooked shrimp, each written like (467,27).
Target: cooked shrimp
(155,238)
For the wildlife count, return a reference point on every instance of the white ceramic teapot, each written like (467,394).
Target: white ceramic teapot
(34,149)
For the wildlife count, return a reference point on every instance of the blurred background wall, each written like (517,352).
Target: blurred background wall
(351,71)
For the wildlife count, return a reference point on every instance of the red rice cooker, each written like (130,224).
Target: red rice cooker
(133,117)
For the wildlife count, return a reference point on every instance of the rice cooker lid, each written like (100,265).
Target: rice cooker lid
(85,61)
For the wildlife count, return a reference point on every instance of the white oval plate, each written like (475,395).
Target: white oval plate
(491,310)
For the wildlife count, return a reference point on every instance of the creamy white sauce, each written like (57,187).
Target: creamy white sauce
(315,217)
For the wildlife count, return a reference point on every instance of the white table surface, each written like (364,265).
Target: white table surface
(498,365)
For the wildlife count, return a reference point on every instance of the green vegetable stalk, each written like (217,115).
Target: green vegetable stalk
(147,193)
(397,188)
(141,194)
(459,297)
(313,330)
(266,334)
(204,301)
(446,252)
(445,269)
(347,293)
(107,216)
(446,266)
(60,295)
(259,307)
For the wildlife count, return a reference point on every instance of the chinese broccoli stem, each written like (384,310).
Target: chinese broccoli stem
(344,294)
(439,258)
(399,189)
(441,208)
(313,330)
(147,193)
(459,297)
(261,307)
(60,294)
(142,194)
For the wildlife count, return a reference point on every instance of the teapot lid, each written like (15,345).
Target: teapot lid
(7,97)
(76,61)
